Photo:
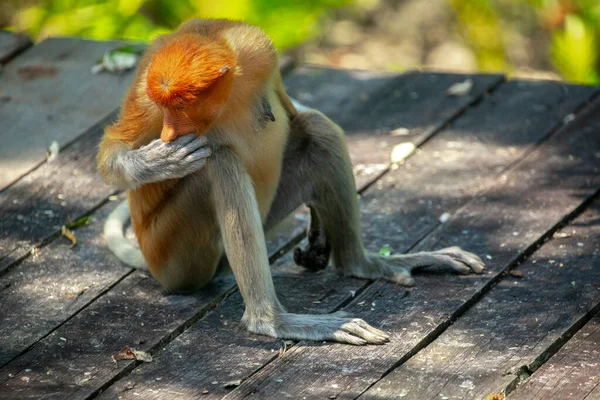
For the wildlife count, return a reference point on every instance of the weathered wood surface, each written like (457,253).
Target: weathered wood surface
(83,359)
(11,44)
(49,94)
(551,181)
(183,379)
(513,328)
(573,373)
(381,110)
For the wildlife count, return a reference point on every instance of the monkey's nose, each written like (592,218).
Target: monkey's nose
(173,126)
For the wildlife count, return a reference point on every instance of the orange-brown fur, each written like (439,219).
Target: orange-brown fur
(163,81)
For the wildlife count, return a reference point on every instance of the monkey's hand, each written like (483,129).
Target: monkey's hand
(336,327)
(398,268)
(158,161)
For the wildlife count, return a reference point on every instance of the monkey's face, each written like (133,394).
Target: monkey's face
(199,115)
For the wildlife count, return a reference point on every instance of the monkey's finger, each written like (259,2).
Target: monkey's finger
(183,140)
(196,165)
(199,154)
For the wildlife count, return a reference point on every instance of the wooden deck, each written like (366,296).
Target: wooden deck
(510,171)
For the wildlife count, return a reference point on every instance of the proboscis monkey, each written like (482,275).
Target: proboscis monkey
(213,151)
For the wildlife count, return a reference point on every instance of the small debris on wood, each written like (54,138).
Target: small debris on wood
(516,273)
(568,118)
(496,396)
(384,251)
(402,151)
(400,132)
(78,223)
(561,235)
(53,151)
(127,353)
(445,217)
(232,384)
(35,253)
(205,391)
(117,60)
(69,235)
(460,88)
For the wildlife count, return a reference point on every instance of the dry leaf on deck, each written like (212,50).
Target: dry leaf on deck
(460,88)
(127,353)
(69,235)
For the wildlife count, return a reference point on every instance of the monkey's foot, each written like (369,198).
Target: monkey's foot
(399,268)
(315,256)
(332,327)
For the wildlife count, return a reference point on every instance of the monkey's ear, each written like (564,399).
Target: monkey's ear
(224,69)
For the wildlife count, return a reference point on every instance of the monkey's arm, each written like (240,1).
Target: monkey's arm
(243,238)
(157,161)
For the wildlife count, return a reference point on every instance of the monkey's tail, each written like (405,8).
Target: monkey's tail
(116,240)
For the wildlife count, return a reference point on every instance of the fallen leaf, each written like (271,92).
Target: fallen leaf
(142,355)
(69,235)
(117,60)
(127,353)
(53,151)
(496,396)
(460,88)
(78,223)
(516,273)
(400,132)
(232,384)
(385,251)
(402,151)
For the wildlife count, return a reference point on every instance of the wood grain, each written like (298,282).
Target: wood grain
(512,328)
(49,94)
(11,44)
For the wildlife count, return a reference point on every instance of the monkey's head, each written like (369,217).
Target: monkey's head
(189,78)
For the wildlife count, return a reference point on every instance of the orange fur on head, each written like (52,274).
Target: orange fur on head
(184,67)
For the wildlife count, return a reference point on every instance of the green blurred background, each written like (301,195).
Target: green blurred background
(556,39)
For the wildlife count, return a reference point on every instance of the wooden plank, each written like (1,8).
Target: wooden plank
(11,44)
(180,380)
(573,373)
(381,110)
(64,380)
(513,327)
(509,217)
(49,94)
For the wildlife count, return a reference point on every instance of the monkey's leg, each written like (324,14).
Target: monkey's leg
(317,170)
(240,225)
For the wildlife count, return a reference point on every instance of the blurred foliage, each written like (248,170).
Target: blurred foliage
(573,28)
(570,29)
(288,23)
